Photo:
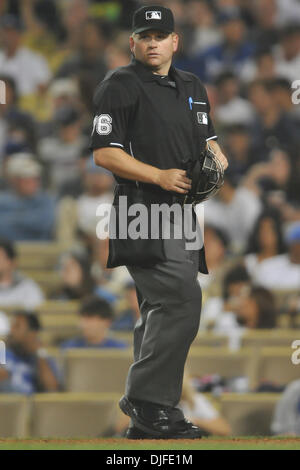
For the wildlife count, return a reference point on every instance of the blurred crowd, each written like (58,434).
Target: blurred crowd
(52,56)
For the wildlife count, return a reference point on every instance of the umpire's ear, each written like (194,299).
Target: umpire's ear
(131,43)
(175,39)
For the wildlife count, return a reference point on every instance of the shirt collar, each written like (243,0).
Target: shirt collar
(148,76)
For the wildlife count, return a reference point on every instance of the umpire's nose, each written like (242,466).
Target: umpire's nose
(152,43)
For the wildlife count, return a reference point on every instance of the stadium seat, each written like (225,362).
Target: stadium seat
(59,320)
(275,365)
(221,361)
(249,414)
(35,255)
(62,307)
(71,415)
(96,370)
(63,325)
(282,296)
(269,338)
(14,416)
(48,280)
(204,339)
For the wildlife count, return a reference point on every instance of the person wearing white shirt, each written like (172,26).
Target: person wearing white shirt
(231,108)
(98,193)
(287,54)
(29,69)
(234,210)
(198,408)
(282,271)
(16,289)
(265,241)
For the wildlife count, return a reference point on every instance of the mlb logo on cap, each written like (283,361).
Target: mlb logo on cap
(153,15)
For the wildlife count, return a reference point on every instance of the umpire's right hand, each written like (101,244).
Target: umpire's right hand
(174,180)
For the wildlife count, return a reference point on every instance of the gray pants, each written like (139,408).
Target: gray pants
(170,305)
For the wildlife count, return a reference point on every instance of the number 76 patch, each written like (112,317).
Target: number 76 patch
(202,118)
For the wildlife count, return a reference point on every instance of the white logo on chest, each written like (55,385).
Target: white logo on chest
(202,118)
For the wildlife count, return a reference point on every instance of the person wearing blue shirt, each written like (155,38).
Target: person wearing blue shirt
(96,316)
(28,368)
(27,213)
(128,318)
(231,54)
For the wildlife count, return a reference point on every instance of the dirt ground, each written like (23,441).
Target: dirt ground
(117,441)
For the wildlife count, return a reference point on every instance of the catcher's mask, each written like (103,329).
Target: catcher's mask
(207,175)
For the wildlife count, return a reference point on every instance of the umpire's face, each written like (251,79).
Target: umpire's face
(154,48)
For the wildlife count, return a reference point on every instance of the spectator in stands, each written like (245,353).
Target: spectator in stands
(128,318)
(27,212)
(282,271)
(272,128)
(276,183)
(245,308)
(65,93)
(117,53)
(73,189)
(256,309)
(28,367)
(233,52)
(201,23)
(216,249)
(265,241)
(265,13)
(16,289)
(88,58)
(62,151)
(109,281)
(76,280)
(239,149)
(62,93)
(98,183)
(282,94)
(19,138)
(29,69)
(261,67)
(96,317)
(288,54)
(198,409)
(43,27)
(234,209)
(231,108)
(218,313)
(286,417)
(11,117)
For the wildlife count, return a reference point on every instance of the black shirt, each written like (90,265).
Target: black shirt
(159,120)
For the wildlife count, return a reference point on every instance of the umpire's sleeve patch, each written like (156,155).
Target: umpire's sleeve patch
(102,124)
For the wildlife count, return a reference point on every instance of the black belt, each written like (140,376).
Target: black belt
(149,193)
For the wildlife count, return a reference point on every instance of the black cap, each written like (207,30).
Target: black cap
(153,17)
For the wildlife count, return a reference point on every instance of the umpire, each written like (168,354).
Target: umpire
(149,118)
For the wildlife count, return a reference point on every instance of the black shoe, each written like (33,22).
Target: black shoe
(158,421)
(192,432)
